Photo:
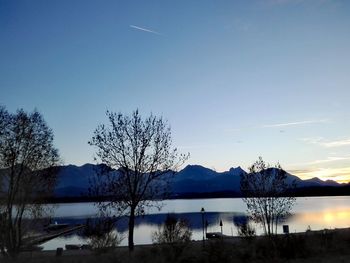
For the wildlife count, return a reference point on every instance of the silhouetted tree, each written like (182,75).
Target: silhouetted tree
(173,230)
(140,151)
(101,233)
(27,173)
(267,194)
(244,228)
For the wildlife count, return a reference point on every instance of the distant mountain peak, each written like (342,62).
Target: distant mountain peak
(196,172)
(314,179)
(74,180)
(236,170)
(196,166)
(197,169)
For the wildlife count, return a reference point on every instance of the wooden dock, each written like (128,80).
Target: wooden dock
(37,240)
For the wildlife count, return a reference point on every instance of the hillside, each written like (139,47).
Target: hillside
(192,181)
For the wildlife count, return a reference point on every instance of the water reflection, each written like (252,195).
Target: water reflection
(330,218)
(146,225)
(316,212)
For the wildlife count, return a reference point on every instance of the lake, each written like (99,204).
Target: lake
(316,212)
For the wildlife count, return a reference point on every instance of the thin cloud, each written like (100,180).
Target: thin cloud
(337,143)
(329,159)
(327,144)
(297,171)
(294,123)
(145,29)
(277,125)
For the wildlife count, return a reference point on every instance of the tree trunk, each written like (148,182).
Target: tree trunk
(131,228)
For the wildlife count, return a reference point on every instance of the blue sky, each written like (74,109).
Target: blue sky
(235,79)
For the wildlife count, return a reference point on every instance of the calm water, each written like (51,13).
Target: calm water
(316,212)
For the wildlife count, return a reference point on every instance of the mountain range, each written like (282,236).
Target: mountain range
(192,181)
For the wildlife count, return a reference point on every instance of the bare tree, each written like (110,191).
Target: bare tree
(27,160)
(267,194)
(139,160)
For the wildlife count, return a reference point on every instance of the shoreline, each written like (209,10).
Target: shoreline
(228,238)
(326,244)
(74,200)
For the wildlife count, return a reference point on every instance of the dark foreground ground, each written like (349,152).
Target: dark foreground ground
(313,246)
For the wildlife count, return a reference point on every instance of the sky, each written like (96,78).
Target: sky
(235,79)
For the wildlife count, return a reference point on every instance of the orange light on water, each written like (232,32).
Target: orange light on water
(327,218)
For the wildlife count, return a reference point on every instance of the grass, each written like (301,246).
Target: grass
(312,246)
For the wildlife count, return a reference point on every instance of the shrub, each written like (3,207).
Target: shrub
(244,228)
(173,230)
(246,231)
(101,234)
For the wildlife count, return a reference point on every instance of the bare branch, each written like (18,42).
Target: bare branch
(27,156)
(140,154)
(267,194)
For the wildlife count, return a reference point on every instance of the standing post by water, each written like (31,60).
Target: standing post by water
(202,212)
(221,225)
